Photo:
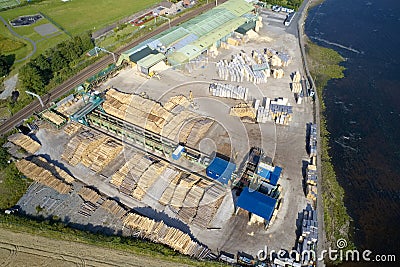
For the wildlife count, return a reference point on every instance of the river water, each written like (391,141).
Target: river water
(363,113)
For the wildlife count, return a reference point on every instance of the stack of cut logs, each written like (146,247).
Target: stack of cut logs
(24,142)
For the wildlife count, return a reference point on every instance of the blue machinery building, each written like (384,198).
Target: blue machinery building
(221,170)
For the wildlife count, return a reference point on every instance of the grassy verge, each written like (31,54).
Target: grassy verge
(57,230)
(324,65)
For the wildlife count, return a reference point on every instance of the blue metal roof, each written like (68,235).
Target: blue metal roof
(257,203)
(221,170)
(275,175)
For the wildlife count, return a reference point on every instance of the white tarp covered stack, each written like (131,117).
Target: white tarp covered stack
(229,91)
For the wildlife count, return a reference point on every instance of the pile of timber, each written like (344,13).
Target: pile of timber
(191,203)
(43,176)
(24,142)
(113,207)
(94,150)
(175,101)
(173,127)
(88,194)
(198,131)
(87,209)
(243,110)
(54,169)
(278,74)
(148,178)
(137,110)
(102,154)
(53,117)
(160,233)
(72,128)
(169,191)
(208,206)
(182,189)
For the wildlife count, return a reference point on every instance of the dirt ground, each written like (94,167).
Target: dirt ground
(22,249)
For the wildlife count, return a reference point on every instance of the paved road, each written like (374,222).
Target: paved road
(90,71)
(19,36)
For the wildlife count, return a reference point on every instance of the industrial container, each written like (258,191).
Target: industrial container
(178,152)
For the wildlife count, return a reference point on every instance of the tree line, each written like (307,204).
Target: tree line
(294,4)
(54,63)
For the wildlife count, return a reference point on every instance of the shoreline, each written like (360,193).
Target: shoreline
(322,150)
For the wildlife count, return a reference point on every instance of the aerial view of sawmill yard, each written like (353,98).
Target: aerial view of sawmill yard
(190,142)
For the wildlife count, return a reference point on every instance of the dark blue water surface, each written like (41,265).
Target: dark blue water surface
(363,113)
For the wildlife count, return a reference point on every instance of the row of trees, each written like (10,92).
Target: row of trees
(6,62)
(295,4)
(38,72)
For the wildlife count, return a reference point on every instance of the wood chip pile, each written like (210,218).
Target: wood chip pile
(43,176)
(94,150)
(54,169)
(53,117)
(114,208)
(72,128)
(25,142)
(88,194)
(161,233)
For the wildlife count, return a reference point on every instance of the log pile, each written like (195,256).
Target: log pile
(161,233)
(243,110)
(182,189)
(198,131)
(191,202)
(54,169)
(208,206)
(24,142)
(53,117)
(43,176)
(169,191)
(173,127)
(114,208)
(175,101)
(148,178)
(88,194)
(72,128)
(94,150)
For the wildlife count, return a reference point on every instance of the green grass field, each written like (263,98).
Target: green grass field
(74,17)
(8,3)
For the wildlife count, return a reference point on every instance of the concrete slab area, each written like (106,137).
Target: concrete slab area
(46,29)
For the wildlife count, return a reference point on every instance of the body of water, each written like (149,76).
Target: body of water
(363,113)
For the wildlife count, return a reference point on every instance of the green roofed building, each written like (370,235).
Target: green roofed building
(186,42)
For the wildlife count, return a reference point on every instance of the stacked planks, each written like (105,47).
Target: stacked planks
(208,206)
(42,175)
(114,208)
(161,233)
(88,194)
(24,142)
(54,169)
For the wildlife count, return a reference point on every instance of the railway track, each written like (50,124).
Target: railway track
(62,89)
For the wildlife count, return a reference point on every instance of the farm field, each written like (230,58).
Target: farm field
(70,18)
